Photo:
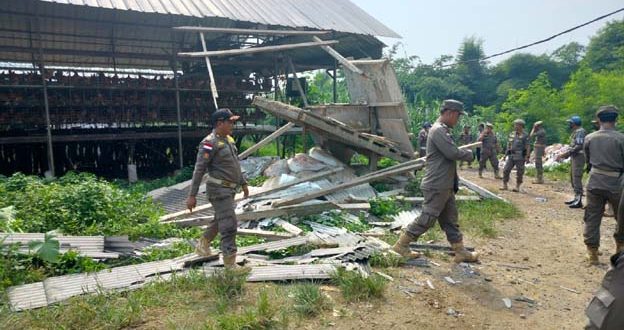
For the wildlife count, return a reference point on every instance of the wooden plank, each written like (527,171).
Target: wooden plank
(298,84)
(395,130)
(354,206)
(319,175)
(268,212)
(269,235)
(289,227)
(266,141)
(248,31)
(339,57)
(253,50)
(480,190)
(420,200)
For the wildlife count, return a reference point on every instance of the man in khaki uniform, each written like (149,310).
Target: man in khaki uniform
(577,162)
(464,139)
(422,139)
(518,152)
(489,150)
(539,145)
(604,150)
(439,186)
(218,156)
(605,309)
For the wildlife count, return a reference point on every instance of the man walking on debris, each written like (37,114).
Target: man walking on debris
(604,150)
(422,139)
(218,156)
(578,161)
(439,186)
(518,151)
(489,150)
(539,145)
(464,139)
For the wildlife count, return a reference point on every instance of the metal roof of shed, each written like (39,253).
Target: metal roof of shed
(337,15)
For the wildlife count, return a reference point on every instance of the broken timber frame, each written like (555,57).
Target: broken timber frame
(339,57)
(266,140)
(341,132)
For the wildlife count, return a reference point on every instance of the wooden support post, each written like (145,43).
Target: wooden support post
(45,102)
(213,84)
(298,83)
(339,57)
(334,86)
(253,50)
(178,116)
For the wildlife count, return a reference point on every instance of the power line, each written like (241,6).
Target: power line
(537,42)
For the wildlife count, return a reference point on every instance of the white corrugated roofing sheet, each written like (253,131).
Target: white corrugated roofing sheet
(338,15)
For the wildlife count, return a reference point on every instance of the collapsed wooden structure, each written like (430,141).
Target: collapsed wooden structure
(101,85)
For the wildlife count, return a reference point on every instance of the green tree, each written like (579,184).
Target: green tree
(606,49)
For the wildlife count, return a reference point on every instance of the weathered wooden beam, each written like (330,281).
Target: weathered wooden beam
(269,235)
(253,50)
(248,31)
(266,140)
(313,177)
(298,83)
(481,191)
(339,57)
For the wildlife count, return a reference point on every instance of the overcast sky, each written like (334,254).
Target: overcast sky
(434,27)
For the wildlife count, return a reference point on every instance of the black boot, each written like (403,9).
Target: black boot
(578,202)
(572,201)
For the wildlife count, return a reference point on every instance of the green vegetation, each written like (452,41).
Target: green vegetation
(384,207)
(386,260)
(572,80)
(355,287)
(336,219)
(559,172)
(309,300)
(480,218)
(257,181)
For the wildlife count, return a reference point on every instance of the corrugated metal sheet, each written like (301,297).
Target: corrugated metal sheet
(338,15)
(27,296)
(291,272)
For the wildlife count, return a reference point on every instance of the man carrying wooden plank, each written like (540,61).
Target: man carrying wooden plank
(439,186)
(217,155)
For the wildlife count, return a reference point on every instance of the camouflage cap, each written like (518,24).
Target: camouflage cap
(519,121)
(452,105)
(607,109)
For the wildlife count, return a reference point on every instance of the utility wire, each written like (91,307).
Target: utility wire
(537,42)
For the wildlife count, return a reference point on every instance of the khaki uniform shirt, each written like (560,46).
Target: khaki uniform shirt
(219,157)
(489,144)
(422,139)
(540,137)
(576,141)
(465,138)
(604,150)
(440,167)
(518,144)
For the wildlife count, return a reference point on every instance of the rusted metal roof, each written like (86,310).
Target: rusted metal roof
(337,15)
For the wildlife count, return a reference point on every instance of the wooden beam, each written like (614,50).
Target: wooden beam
(420,200)
(481,191)
(313,177)
(268,235)
(248,31)
(252,50)
(298,83)
(339,57)
(266,140)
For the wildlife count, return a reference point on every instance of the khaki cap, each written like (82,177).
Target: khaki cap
(539,123)
(452,105)
(489,125)
(519,121)
(607,109)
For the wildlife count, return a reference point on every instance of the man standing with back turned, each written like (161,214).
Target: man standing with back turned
(218,156)
(439,186)
(538,147)
(577,162)
(604,150)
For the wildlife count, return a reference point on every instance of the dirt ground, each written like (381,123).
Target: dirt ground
(539,257)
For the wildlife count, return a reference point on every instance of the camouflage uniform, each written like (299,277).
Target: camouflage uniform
(517,149)
(422,142)
(219,157)
(464,139)
(489,150)
(538,147)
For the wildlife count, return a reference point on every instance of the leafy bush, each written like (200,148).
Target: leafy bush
(386,206)
(79,204)
(386,259)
